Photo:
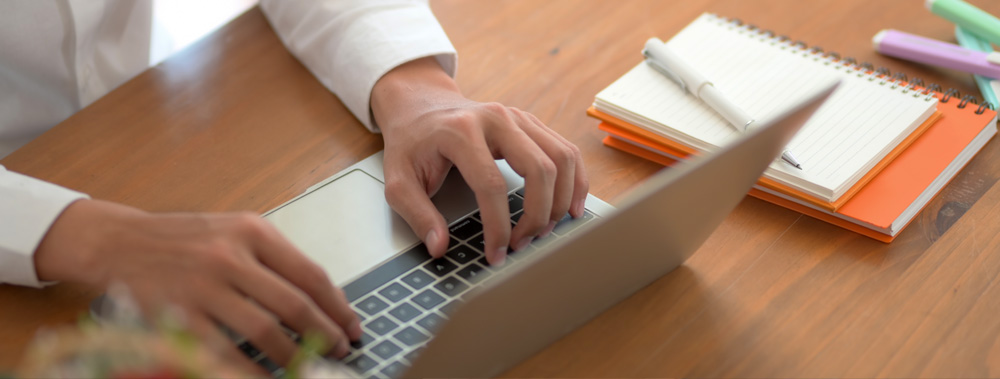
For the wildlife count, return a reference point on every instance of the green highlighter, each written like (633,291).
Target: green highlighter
(969,17)
(987,86)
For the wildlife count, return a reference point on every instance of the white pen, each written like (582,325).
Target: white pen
(661,59)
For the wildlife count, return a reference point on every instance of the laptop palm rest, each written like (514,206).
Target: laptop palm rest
(346,226)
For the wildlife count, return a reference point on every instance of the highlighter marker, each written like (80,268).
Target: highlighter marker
(967,16)
(925,50)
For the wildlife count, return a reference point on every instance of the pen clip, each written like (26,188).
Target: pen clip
(663,70)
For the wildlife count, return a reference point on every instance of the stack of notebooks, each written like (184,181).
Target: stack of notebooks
(872,156)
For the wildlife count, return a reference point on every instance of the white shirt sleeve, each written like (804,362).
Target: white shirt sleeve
(28,207)
(349,44)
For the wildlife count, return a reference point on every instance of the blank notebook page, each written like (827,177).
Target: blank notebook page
(855,129)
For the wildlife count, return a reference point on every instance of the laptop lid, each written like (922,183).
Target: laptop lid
(658,226)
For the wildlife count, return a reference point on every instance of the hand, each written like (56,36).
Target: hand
(428,126)
(233,269)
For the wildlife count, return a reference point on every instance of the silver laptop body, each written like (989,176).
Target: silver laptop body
(345,225)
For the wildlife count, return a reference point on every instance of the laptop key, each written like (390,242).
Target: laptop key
(515,203)
(451,286)
(485,263)
(411,336)
(271,367)
(516,217)
(440,267)
(447,309)
(365,340)
(386,349)
(418,279)
(249,349)
(430,322)
(394,369)
(413,354)
(395,292)
(362,363)
(473,273)
(479,243)
(404,312)
(428,299)
(520,192)
(381,325)
(462,254)
(372,305)
(386,272)
(466,228)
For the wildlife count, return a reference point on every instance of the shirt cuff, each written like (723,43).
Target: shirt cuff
(350,46)
(415,34)
(28,207)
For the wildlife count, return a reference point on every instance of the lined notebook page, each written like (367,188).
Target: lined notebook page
(855,129)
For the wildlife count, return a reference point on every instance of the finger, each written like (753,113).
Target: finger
(470,153)
(275,252)
(562,155)
(407,196)
(577,183)
(253,323)
(292,306)
(528,159)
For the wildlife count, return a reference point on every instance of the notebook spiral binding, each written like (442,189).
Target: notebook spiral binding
(864,69)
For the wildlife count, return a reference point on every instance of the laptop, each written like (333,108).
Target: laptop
(458,316)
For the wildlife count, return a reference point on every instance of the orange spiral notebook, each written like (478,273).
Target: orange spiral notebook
(873,155)
(675,150)
(892,199)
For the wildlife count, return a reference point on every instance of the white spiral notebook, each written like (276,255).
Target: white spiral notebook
(858,127)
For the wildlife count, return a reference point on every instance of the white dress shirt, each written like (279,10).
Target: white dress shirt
(58,56)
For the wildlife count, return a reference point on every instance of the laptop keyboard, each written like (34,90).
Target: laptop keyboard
(402,302)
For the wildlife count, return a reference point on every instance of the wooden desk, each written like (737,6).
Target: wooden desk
(236,123)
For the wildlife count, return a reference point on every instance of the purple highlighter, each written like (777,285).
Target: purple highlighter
(925,50)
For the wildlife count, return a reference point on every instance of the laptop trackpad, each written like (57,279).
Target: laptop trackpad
(345,226)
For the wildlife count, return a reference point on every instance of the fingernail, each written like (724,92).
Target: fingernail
(354,331)
(500,256)
(548,229)
(432,238)
(578,208)
(522,243)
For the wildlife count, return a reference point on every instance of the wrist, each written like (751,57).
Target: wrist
(410,90)
(72,248)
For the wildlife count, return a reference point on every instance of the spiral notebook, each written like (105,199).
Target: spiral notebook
(890,198)
(868,121)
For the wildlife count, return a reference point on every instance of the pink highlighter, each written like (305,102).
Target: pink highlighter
(925,50)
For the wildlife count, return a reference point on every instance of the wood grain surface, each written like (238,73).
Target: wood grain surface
(235,122)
